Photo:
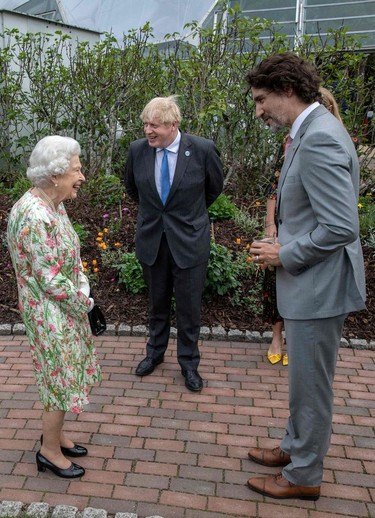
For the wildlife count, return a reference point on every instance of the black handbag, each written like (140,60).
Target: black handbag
(97,320)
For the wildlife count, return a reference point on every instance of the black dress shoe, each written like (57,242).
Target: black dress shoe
(74,471)
(147,365)
(192,380)
(75,451)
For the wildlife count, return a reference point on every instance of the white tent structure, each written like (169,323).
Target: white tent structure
(118,16)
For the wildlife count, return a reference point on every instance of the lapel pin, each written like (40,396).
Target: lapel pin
(187,153)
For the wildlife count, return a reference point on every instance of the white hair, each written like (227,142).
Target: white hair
(51,157)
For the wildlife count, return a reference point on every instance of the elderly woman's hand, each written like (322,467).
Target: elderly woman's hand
(92,304)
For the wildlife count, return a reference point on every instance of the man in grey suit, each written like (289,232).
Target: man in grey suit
(174,177)
(320,270)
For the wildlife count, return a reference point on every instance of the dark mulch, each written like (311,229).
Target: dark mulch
(121,307)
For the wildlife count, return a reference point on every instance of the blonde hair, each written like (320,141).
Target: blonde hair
(165,108)
(330,102)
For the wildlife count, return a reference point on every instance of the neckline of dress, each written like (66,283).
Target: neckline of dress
(44,197)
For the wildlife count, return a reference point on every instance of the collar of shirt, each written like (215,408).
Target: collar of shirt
(172,148)
(301,117)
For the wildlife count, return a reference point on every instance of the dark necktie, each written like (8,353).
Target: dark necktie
(289,142)
(165,186)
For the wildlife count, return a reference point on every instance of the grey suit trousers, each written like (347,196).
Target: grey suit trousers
(312,349)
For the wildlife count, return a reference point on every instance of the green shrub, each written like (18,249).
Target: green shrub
(222,208)
(370,241)
(105,190)
(366,210)
(81,232)
(130,273)
(246,223)
(21,185)
(222,271)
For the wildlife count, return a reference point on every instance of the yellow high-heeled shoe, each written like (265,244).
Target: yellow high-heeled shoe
(274,358)
(285,359)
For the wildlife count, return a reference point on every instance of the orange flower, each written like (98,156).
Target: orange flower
(84,263)
(105,230)
(249,259)
(94,262)
(99,239)
(100,234)
(96,270)
(85,269)
(257,203)
(238,241)
(117,244)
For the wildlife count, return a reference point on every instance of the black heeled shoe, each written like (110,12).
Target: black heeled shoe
(74,471)
(76,451)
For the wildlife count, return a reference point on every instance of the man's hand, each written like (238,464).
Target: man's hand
(265,254)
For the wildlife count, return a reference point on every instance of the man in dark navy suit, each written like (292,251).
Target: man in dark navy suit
(174,177)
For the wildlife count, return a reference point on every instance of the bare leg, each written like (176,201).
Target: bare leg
(52,433)
(277,339)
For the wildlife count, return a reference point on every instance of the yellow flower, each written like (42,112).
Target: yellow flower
(238,241)
(99,239)
(105,230)
(94,262)
(100,234)
(249,259)
(360,206)
(103,246)
(369,194)
(84,263)
(257,203)
(117,244)
(247,246)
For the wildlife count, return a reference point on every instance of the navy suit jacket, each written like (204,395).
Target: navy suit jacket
(197,182)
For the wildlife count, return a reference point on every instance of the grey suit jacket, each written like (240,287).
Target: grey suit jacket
(198,181)
(322,273)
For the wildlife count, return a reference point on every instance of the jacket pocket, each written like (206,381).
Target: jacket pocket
(201,222)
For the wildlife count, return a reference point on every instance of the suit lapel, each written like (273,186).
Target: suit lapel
(320,110)
(149,167)
(183,158)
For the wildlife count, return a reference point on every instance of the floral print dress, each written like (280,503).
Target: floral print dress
(45,253)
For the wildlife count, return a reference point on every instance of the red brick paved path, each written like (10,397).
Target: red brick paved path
(157,449)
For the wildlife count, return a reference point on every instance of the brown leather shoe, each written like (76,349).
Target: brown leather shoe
(277,486)
(268,457)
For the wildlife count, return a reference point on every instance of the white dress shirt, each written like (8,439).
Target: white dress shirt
(172,161)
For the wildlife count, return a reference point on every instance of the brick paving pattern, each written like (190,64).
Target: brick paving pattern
(156,449)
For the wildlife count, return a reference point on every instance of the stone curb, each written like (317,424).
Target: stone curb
(9,509)
(206,333)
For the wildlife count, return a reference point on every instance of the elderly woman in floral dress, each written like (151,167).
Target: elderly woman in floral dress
(54,296)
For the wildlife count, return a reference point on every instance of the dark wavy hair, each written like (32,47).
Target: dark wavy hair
(284,72)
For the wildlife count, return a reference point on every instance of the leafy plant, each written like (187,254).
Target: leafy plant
(249,224)
(366,208)
(106,190)
(21,185)
(130,273)
(370,241)
(222,271)
(81,232)
(222,208)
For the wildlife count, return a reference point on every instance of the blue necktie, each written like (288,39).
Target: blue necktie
(165,187)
